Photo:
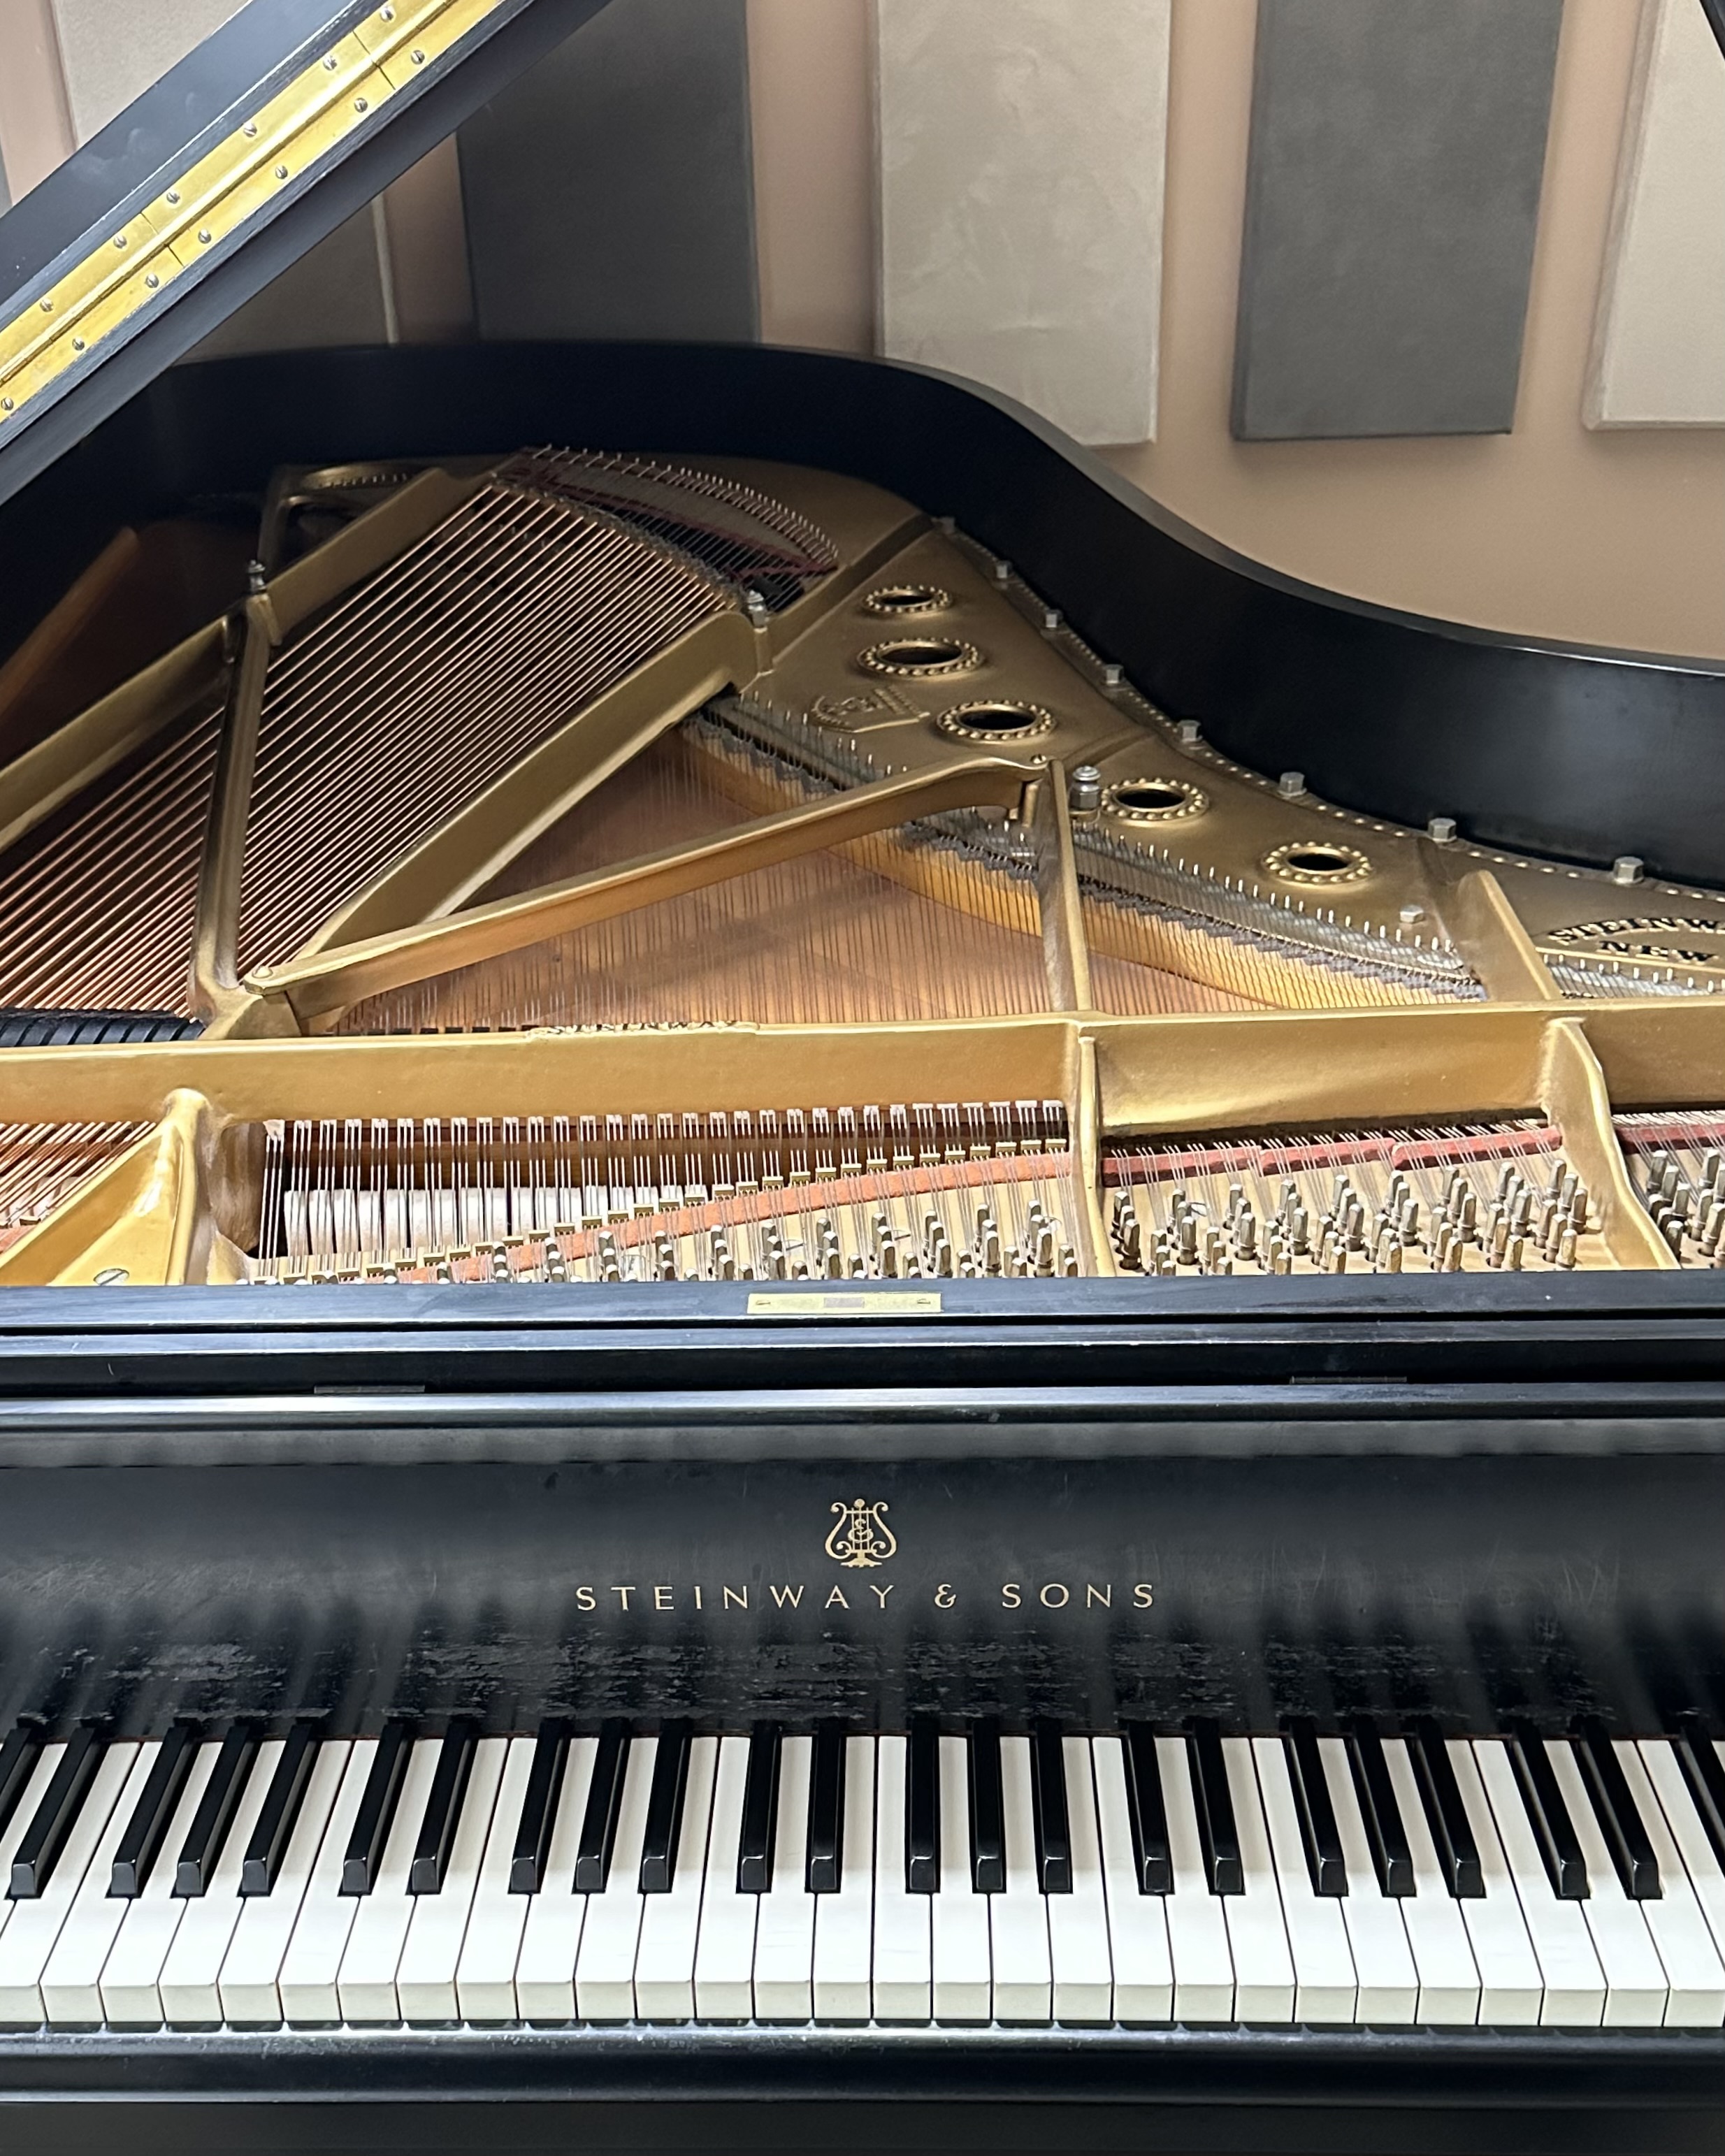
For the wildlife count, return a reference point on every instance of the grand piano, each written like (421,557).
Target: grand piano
(841,1300)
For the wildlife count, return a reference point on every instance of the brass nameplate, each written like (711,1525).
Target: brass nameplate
(856,1303)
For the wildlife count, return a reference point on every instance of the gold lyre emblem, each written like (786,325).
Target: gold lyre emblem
(861,1536)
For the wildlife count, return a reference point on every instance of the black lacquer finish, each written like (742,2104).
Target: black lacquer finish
(539,1807)
(760,1811)
(604,1808)
(1392,1859)
(1458,1853)
(147,1827)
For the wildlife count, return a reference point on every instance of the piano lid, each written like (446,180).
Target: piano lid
(237,162)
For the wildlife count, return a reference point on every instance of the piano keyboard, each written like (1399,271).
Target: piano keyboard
(1355,1876)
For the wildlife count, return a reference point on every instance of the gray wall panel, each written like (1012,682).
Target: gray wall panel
(610,191)
(1392,198)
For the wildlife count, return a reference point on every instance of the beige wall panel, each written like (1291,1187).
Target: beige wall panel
(1021,149)
(35,127)
(812,128)
(1659,354)
(114,50)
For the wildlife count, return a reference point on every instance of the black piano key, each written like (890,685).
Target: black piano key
(604,1806)
(539,1808)
(988,1811)
(17,1762)
(1217,1833)
(267,1850)
(1386,1836)
(1050,1821)
(1704,1774)
(1146,1811)
(922,1807)
(443,1809)
(216,1807)
(1458,1854)
(145,1829)
(377,1808)
(33,1859)
(1324,1859)
(665,1808)
(826,1810)
(1619,1820)
(760,1810)
(1547,1815)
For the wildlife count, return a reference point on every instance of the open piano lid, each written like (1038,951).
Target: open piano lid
(237,162)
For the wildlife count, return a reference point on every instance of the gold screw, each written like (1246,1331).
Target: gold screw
(47,307)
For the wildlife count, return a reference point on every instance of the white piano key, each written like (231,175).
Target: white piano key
(1636,1992)
(366,1984)
(725,1947)
(1377,1937)
(1574,1985)
(844,1923)
(1437,1927)
(325,1924)
(437,1929)
(1138,1923)
(71,1981)
(1017,1919)
(250,1980)
(485,1975)
(1701,1864)
(605,1964)
(551,1935)
(670,1924)
(958,1919)
(903,1963)
(1325,1986)
(1694,1971)
(1198,1936)
(191,1975)
(1257,1935)
(48,1760)
(131,1975)
(33,1928)
(784,1925)
(1079,1959)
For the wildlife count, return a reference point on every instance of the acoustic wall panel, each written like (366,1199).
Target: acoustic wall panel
(610,190)
(1022,147)
(1392,198)
(1659,349)
(112,50)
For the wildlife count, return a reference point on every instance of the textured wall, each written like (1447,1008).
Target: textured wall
(1022,152)
(610,191)
(112,50)
(1392,199)
(1659,354)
